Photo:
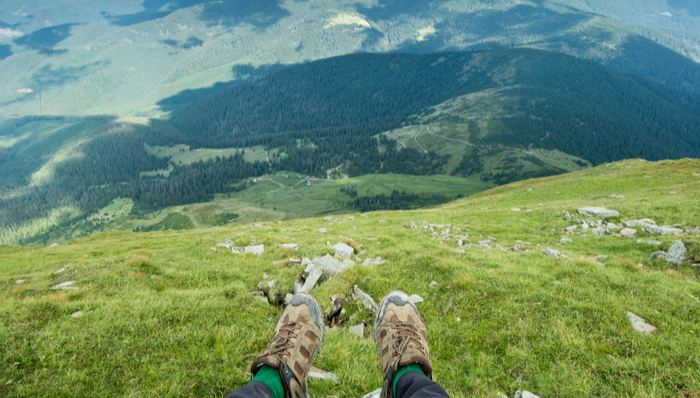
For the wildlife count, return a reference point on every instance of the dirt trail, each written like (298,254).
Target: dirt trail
(528,151)
(415,139)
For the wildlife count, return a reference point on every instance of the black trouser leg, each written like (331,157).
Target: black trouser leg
(255,389)
(418,385)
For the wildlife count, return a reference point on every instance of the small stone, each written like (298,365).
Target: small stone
(328,219)
(19,281)
(260,296)
(613,227)
(613,196)
(312,280)
(515,209)
(664,230)
(366,300)
(600,212)
(342,250)
(382,221)
(601,258)
(628,233)
(65,286)
(566,240)
(640,324)
(373,261)
(288,298)
(290,246)
(295,260)
(55,245)
(554,253)
(412,225)
(525,394)
(357,330)
(323,230)
(257,225)
(500,395)
(228,243)
(60,271)
(433,284)
(416,299)
(374,394)
(257,250)
(77,314)
(458,319)
(316,373)
(567,216)
(676,254)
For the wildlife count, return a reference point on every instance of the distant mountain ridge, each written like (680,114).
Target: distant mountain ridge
(147,58)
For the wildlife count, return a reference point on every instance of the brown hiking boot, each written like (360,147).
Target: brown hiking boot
(401,338)
(297,340)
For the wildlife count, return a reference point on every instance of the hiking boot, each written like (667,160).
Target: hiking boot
(401,338)
(297,340)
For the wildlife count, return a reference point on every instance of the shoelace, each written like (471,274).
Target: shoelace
(277,346)
(400,342)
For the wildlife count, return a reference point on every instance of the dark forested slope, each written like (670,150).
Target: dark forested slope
(581,108)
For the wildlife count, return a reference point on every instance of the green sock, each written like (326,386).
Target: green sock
(271,377)
(414,367)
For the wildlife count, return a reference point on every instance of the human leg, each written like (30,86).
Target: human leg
(297,340)
(402,340)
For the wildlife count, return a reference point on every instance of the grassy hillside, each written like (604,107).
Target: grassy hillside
(93,58)
(161,313)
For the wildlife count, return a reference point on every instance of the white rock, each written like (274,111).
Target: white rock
(640,324)
(382,221)
(328,219)
(294,260)
(357,330)
(329,265)
(77,314)
(374,394)
(613,196)
(567,216)
(571,229)
(323,230)
(257,225)
(366,300)
(525,394)
(676,254)
(373,261)
(600,258)
(416,299)
(65,286)
(515,209)
(600,212)
(554,253)
(290,246)
(642,223)
(312,280)
(19,281)
(342,250)
(628,232)
(228,243)
(60,271)
(566,240)
(316,373)
(664,230)
(55,245)
(598,231)
(257,250)
(613,227)
(433,284)
(213,249)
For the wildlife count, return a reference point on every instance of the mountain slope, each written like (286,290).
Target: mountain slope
(165,304)
(149,62)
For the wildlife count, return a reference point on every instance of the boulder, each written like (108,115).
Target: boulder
(599,212)
(342,250)
(628,232)
(676,254)
(640,324)
(664,230)
(366,300)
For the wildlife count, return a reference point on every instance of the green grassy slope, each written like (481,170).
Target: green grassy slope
(163,314)
(97,57)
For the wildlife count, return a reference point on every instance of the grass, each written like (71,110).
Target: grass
(164,315)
